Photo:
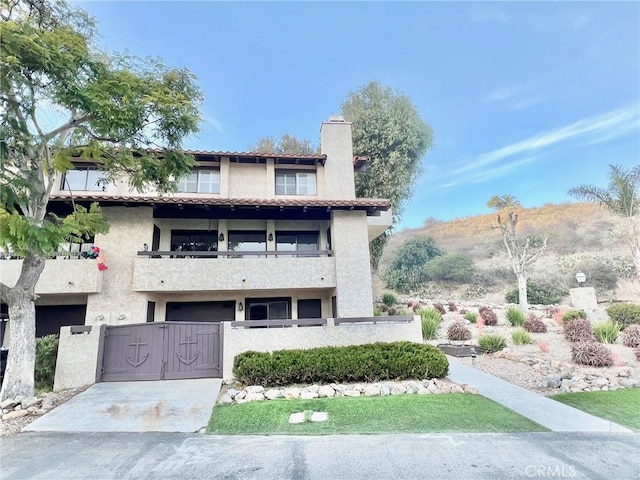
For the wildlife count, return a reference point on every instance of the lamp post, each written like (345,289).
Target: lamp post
(581,278)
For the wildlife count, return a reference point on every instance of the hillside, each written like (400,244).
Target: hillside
(582,236)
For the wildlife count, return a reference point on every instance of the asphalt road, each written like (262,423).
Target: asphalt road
(593,456)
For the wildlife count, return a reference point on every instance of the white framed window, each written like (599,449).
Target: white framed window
(290,182)
(83,179)
(201,181)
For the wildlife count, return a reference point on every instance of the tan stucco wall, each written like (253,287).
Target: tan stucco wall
(64,276)
(338,170)
(238,340)
(77,360)
(353,271)
(247,181)
(202,274)
(130,228)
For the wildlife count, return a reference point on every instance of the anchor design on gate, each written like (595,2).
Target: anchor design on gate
(188,342)
(137,362)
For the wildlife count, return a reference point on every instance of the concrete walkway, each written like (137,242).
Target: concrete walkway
(556,416)
(154,406)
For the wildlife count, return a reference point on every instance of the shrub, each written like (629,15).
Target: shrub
(431,320)
(592,353)
(406,269)
(457,331)
(389,299)
(521,337)
(534,324)
(492,342)
(636,352)
(537,294)
(354,363)
(440,308)
(454,267)
(579,330)
(391,311)
(607,332)
(471,316)
(489,316)
(515,316)
(452,307)
(377,312)
(625,314)
(573,315)
(45,368)
(551,312)
(631,336)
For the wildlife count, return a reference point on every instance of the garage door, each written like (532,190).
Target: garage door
(161,351)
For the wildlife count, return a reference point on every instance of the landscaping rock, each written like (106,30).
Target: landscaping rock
(456,389)
(240,395)
(326,391)
(254,389)
(351,393)
(385,391)
(8,403)
(424,391)
(30,402)
(254,397)
(232,392)
(306,395)
(313,388)
(399,390)
(225,399)
(319,417)
(290,393)
(296,417)
(14,414)
(272,394)
(372,391)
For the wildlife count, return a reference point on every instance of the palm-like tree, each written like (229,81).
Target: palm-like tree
(500,202)
(622,197)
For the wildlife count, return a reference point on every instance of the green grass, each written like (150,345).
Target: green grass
(620,406)
(366,415)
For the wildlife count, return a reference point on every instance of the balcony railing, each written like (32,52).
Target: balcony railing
(233,254)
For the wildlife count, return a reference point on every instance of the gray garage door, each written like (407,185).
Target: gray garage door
(161,351)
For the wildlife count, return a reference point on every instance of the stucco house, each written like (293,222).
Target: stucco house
(247,237)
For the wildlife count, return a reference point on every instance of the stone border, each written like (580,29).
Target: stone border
(256,393)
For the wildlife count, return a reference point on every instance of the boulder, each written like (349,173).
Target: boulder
(14,414)
(232,392)
(372,391)
(254,389)
(272,394)
(255,397)
(385,391)
(8,403)
(290,393)
(31,402)
(240,395)
(225,399)
(326,391)
(456,389)
(307,395)
(351,393)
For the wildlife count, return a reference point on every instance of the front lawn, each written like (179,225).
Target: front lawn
(365,415)
(620,406)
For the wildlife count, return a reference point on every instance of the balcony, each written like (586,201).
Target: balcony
(60,276)
(229,271)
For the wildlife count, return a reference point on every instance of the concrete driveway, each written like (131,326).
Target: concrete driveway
(157,406)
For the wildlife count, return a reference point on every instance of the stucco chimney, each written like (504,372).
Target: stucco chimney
(336,144)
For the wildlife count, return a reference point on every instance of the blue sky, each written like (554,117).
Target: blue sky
(525,98)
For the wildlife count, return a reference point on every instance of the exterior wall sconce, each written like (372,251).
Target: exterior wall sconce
(99,317)
(240,307)
(270,238)
(581,278)
(122,316)
(221,237)
(145,247)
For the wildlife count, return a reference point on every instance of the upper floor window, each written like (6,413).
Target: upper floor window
(290,182)
(83,178)
(201,181)
(296,241)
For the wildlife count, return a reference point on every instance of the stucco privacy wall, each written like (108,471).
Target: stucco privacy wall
(76,365)
(353,271)
(130,229)
(237,340)
(60,276)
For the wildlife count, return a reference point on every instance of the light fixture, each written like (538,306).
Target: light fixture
(270,237)
(240,307)
(221,237)
(145,247)
(99,317)
(122,316)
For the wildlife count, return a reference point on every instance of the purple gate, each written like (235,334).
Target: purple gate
(161,350)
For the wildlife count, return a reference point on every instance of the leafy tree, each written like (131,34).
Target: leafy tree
(406,270)
(127,115)
(454,267)
(388,129)
(522,251)
(621,197)
(286,144)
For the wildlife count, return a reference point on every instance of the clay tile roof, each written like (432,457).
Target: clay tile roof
(254,154)
(358,203)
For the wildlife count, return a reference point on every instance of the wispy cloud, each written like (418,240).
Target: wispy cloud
(517,97)
(502,161)
(214,122)
(600,128)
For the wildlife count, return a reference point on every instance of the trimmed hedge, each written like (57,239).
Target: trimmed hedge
(354,363)
(45,365)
